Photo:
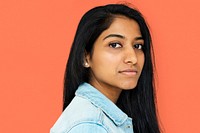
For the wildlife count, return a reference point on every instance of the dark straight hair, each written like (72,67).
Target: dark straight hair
(137,103)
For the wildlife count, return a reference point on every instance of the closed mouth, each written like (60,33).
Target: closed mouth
(129,72)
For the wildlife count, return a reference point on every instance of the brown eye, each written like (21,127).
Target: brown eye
(138,46)
(115,45)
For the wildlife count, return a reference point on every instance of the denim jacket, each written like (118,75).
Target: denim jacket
(92,112)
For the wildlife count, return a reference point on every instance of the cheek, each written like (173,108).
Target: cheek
(141,61)
(105,62)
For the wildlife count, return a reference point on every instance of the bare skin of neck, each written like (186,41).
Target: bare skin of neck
(110,92)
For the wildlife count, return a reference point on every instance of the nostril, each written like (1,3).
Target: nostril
(130,55)
(131,60)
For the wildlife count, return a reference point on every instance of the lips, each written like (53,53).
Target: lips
(129,72)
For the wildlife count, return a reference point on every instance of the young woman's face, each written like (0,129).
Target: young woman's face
(118,58)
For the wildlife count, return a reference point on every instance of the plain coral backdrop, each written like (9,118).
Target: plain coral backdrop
(35,39)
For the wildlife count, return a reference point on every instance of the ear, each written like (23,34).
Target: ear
(86,60)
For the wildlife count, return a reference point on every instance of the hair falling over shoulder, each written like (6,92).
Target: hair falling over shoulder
(138,103)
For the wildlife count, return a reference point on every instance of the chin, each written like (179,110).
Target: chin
(128,86)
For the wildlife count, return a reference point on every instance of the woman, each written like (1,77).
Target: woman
(108,86)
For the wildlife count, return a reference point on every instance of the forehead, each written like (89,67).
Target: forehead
(123,25)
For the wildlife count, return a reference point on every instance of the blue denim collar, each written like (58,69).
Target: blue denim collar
(90,93)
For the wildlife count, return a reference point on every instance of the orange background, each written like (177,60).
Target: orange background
(35,37)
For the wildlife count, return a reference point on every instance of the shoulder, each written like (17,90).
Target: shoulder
(81,115)
(88,127)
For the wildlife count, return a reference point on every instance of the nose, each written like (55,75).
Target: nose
(130,56)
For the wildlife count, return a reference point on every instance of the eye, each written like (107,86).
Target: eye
(115,45)
(138,46)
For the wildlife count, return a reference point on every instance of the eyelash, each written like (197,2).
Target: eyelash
(138,46)
(114,45)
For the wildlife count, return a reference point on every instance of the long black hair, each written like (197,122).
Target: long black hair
(137,103)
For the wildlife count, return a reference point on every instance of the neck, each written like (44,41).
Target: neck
(110,92)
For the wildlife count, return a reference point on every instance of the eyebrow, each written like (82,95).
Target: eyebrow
(122,37)
(139,38)
(114,35)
